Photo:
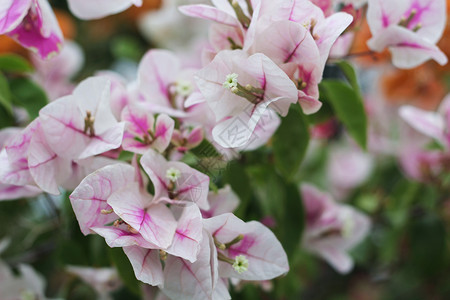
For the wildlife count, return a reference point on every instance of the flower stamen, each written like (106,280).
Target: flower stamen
(240,264)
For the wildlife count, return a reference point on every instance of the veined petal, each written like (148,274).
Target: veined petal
(47,168)
(259,245)
(185,280)
(39,30)
(89,198)
(155,222)
(121,237)
(146,264)
(12,13)
(408,49)
(191,185)
(188,235)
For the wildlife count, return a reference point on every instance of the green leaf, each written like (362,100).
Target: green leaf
(349,108)
(269,189)
(290,142)
(428,240)
(205,149)
(5,94)
(28,95)
(6,119)
(14,63)
(125,270)
(236,176)
(125,156)
(293,221)
(350,74)
(127,47)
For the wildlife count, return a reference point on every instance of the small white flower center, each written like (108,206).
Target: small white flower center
(27,295)
(240,264)
(348,225)
(173,174)
(231,81)
(183,87)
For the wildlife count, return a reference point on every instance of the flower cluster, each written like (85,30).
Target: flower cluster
(265,55)
(178,233)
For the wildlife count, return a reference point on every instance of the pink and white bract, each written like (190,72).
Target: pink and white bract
(32,24)
(409,28)
(332,229)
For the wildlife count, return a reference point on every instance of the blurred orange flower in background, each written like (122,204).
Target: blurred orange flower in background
(421,86)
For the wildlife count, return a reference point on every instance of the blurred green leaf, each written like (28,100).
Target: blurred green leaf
(290,142)
(125,270)
(292,221)
(6,119)
(14,63)
(29,95)
(349,108)
(236,176)
(127,47)
(324,114)
(350,74)
(269,189)
(205,149)
(428,246)
(5,94)
(125,156)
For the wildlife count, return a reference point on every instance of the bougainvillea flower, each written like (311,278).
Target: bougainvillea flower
(175,180)
(348,167)
(144,132)
(188,235)
(239,89)
(89,199)
(32,24)
(185,247)
(154,221)
(325,5)
(47,168)
(187,138)
(87,10)
(424,165)
(332,229)
(12,191)
(294,49)
(433,124)
(27,284)
(198,280)
(264,130)
(220,202)
(163,85)
(122,92)
(14,157)
(12,13)
(28,160)
(324,30)
(248,251)
(409,28)
(102,280)
(237,13)
(146,264)
(82,124)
